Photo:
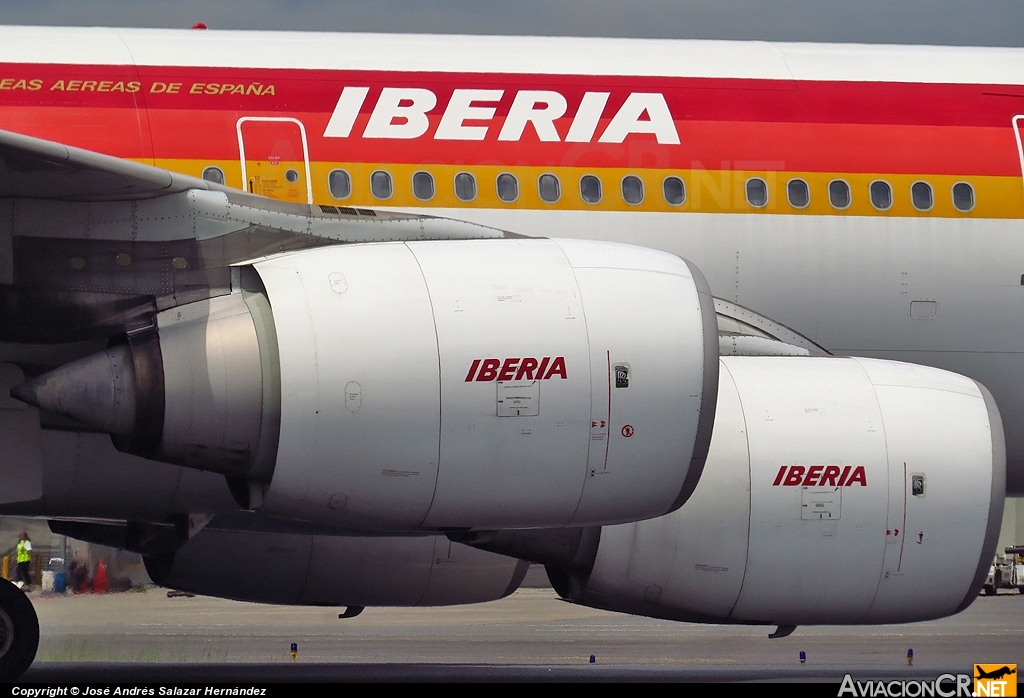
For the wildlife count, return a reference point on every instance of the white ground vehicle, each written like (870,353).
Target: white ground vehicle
(1006,572)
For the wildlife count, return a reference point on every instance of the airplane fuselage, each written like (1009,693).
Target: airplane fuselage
(869,197)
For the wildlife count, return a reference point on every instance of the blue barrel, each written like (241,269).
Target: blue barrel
(60,582)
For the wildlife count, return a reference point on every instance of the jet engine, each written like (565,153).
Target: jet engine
(407,386)
(836,491)
(301,568)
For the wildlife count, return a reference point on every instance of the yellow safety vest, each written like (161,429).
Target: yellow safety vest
(23,554)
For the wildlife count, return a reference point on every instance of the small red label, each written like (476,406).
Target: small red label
(628,430)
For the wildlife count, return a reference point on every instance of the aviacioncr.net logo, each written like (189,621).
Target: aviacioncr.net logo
(945,686)
(995,680)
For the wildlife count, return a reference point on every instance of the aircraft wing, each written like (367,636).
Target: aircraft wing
(69,269)
(33,168)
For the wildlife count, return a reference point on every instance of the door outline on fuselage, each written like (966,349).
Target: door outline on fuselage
(279,119)
(1020,147)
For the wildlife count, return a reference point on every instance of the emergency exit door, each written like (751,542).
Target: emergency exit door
(1020,146)
(275,158)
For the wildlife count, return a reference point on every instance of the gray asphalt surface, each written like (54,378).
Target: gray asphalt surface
(528,636)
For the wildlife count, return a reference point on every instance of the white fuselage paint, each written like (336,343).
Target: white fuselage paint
(528,55)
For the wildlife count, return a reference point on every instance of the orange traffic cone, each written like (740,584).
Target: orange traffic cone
(100,583)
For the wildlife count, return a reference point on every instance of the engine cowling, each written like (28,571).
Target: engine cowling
(449,385)
(835,491)
(269,566)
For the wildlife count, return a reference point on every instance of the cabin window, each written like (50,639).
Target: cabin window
(881,195)
(339,184)
(213,174)
(508,187)
(632,189)
(381,185)
(798,193)
(423,186)
(757,192)
(674,191)
(465,186)
(590,189)
(839,194)
(291,175)
(963,197)
(548,188)
(921,195)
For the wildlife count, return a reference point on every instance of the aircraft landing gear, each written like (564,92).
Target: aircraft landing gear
(19,632)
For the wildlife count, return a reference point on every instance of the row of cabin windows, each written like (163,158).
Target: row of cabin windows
(549,188)
(798,193)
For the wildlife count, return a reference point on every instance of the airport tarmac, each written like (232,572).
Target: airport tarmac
(531,635)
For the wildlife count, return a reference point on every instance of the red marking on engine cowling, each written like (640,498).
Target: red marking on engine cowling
(517,368)
(820,476)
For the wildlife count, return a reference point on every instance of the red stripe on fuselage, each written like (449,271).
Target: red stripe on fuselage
(722,123)
(713,99)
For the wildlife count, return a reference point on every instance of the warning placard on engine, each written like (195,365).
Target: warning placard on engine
(518,399)
(818,503)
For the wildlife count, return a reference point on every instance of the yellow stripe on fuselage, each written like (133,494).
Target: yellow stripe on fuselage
(707,191)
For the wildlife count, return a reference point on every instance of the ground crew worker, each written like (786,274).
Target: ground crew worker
(21,576)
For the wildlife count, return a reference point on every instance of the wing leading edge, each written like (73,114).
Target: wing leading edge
(33,168)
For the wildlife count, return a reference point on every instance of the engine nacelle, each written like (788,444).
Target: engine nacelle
(835,491)
(325,570)
(484,384)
